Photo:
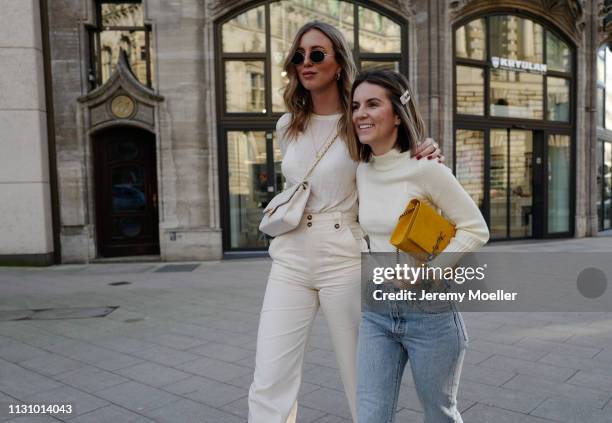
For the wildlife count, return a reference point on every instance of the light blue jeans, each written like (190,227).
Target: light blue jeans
(432,337)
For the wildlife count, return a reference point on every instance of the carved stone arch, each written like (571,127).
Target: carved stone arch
(122,100)
(567,15)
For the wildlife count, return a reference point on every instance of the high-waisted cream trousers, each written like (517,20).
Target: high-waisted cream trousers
(317,264)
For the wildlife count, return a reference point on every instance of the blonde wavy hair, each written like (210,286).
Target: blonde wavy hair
(297,98)
(411,131)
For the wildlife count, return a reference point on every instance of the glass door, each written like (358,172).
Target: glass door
(521,183)
(253,177)
(498,184)
(558,184)
(127,219)
(511,199)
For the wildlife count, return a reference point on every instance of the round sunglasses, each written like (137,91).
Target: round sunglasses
(316,56)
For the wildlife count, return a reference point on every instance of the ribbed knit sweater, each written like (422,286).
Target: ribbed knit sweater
(388,182)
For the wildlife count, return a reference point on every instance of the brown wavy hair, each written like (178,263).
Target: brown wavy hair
(411,131)
(297,98)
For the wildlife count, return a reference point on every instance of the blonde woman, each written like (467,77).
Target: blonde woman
(432,338)
(318,263)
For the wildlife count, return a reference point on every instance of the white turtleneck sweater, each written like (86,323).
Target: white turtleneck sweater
(388,182)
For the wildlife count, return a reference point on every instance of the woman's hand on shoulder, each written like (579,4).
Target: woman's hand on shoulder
(430,149)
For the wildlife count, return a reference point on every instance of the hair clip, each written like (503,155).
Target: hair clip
(405,97)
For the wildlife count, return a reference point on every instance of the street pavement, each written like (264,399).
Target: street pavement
(180,345)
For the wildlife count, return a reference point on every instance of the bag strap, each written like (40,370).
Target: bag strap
(319,157)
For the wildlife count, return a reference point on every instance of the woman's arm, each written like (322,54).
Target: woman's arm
(446,193)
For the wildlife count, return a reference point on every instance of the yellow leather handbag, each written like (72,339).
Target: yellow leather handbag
(421,231)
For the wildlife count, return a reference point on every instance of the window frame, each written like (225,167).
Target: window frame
(95,47)
(271,115)
(486,66)
(543,127)
(243,121)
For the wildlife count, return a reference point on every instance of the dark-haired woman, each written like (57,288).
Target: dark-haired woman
(387,127)
(318,263)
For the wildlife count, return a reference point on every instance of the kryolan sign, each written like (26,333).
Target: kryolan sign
(517,65)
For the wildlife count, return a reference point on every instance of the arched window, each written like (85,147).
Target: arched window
(514,119)
(260,38)
(251,47)
(519,63)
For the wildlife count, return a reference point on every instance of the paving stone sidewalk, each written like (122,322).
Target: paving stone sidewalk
(180,348)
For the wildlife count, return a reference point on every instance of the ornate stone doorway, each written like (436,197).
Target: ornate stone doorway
(127,219)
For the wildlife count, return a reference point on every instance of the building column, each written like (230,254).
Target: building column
(189,228)
(586,184)
(25,198)
(431,69)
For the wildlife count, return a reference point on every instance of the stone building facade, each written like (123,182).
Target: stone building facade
(161,116)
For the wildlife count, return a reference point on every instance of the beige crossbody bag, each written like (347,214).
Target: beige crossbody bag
(284,212)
